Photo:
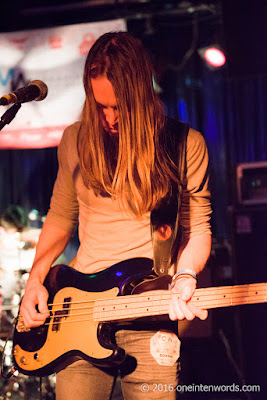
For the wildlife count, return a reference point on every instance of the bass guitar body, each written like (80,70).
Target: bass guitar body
(71,330)
(84,308)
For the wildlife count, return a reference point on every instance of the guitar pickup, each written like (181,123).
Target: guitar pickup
(61,314)
(66,305)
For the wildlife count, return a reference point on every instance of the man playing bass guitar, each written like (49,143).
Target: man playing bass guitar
(118,166)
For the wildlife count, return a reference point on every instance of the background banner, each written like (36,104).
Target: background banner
(55,56)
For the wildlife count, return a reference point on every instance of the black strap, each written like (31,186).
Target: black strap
(166,251)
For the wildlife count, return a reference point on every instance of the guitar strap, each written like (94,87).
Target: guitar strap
(165,228)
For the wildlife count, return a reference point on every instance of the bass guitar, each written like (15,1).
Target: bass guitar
(85,307)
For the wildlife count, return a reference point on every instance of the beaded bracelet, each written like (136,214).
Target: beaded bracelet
(190,272)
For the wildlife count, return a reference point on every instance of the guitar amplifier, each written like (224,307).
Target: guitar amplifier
(249,242)
(252,183)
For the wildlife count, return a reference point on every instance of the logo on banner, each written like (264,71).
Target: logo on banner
(19,43)
(88,41)
(55,42)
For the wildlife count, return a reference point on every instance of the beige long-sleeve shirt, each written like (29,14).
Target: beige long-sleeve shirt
(107,233)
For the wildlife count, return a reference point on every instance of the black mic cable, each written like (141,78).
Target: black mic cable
(9,115)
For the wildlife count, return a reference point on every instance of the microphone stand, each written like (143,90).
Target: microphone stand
(9,115)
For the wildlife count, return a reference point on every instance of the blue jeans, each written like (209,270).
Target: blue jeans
(141,376)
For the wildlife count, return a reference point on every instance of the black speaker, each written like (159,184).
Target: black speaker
(250,266)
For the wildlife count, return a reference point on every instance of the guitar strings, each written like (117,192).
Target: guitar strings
(152,298)
(158,296)
(203,292)
(69,312)
(91,318)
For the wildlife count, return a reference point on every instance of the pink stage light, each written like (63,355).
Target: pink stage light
(214,57)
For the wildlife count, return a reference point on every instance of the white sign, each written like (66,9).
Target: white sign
(55,56)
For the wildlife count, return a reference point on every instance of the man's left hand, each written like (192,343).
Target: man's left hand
(180,307)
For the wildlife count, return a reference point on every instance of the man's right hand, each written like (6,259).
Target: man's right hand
(35,295)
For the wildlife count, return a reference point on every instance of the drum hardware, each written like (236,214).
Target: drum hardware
(8,310)
(10,297)
(15,388)
(6,354)
(12,382)
(16,383)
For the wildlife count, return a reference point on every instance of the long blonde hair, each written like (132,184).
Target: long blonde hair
(137,172)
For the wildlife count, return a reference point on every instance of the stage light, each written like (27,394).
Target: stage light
(33,215)
(214,56)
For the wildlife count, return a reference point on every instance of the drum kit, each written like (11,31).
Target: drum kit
(13,384)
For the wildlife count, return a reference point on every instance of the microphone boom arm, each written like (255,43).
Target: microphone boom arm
(9,115)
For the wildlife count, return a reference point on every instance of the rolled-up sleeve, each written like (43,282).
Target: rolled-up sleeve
(64,207)
(196,202)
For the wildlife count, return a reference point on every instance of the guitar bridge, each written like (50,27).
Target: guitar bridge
(20,326)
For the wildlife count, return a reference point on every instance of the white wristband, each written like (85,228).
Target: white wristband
(190,272)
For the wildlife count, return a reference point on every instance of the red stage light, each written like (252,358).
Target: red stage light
(214,57)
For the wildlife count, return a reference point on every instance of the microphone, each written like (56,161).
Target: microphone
(36,90)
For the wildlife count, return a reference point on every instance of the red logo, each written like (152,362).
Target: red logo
(55,42)
(87,43)
(19,42)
